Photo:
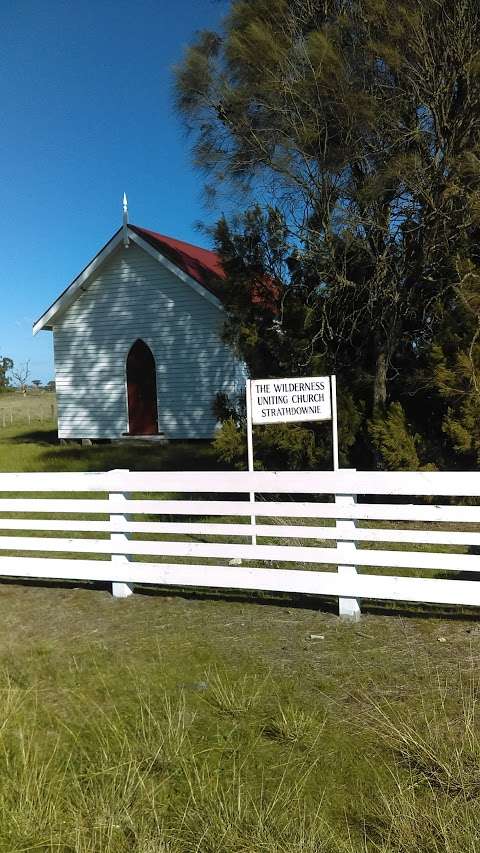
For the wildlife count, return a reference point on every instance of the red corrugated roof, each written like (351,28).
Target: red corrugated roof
(201,264)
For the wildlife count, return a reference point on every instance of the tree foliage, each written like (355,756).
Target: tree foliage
(350,130)
(6,365)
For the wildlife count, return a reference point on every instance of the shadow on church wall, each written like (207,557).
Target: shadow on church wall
(133,298)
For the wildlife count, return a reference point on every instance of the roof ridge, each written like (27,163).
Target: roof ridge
(159,236)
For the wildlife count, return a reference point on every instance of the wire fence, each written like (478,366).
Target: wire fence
(27,410)
(12,417)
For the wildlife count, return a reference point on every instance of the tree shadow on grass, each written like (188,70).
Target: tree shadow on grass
(176,456)
(43,436)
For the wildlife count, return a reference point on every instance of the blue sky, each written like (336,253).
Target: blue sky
(86,113)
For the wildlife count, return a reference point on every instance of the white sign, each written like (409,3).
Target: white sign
(278,400)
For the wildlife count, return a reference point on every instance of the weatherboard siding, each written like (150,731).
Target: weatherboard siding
(134,296)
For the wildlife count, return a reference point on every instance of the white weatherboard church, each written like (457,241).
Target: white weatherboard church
(137,341)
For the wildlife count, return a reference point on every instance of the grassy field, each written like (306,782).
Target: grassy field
(178,722)
(32,408)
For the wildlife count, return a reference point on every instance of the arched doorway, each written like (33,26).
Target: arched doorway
(141,390)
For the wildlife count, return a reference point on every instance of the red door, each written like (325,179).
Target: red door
(141,390)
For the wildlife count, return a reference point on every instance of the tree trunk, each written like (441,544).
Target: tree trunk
(379,395)
(380,381)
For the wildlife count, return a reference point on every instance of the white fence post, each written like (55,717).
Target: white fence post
(348,608)
(117,501)
(248,393)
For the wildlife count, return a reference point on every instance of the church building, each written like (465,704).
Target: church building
(138,341)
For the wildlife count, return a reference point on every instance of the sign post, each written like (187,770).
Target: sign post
(313,398)
(270,401)
(250,452)
(333,388)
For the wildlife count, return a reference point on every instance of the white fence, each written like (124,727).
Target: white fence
(137,528)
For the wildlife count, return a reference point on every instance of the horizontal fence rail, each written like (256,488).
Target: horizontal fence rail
(341,534)
(428,483)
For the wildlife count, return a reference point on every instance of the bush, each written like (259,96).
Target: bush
(277,446)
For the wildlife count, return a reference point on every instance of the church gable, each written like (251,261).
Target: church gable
(197,268)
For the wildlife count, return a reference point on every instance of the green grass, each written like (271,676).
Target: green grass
(33,408)
(36,448)
(172,723)
(227,723)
